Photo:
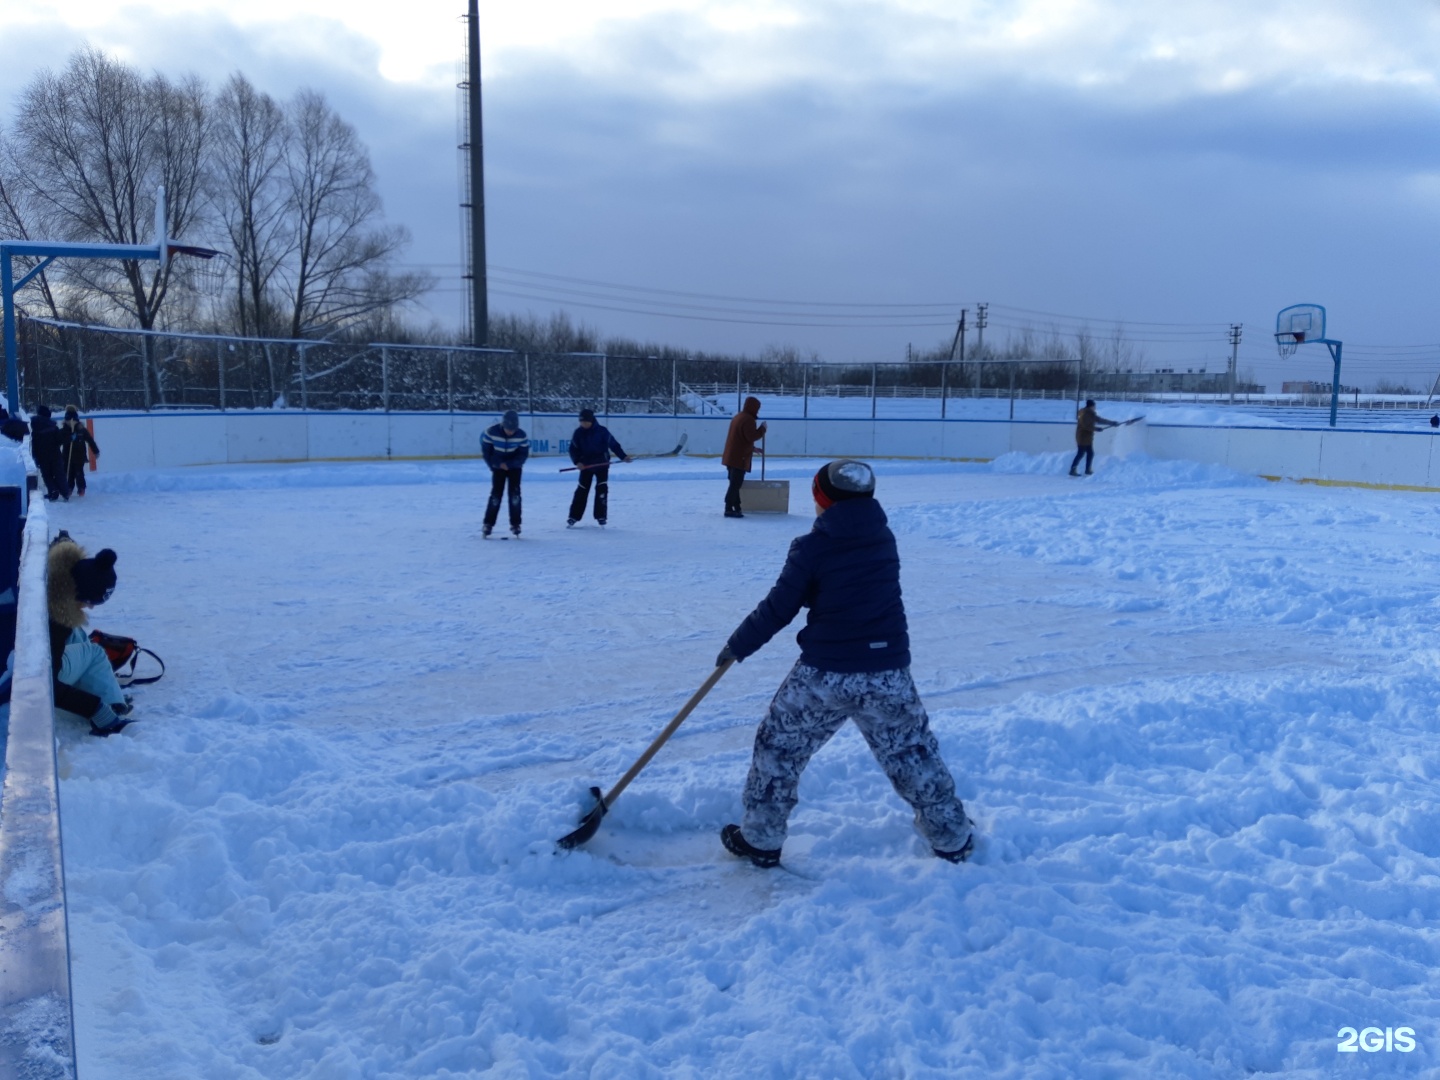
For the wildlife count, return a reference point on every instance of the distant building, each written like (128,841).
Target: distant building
(1167,381)
(1310,386)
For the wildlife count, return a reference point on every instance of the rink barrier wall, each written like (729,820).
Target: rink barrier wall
(129,441)
(37,1029)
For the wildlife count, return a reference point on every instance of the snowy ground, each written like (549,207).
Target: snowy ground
(1195,715)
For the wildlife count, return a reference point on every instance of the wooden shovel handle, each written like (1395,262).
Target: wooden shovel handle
(670,728)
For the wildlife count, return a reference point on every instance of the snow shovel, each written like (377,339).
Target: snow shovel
(590,823)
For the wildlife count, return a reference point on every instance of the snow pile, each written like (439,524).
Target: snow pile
(1200,416)
(1133,471)
(1194,715)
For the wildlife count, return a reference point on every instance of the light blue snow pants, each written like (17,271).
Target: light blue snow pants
(85,666)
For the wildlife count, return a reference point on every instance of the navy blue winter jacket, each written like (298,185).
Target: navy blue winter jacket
(593,447)
(846,570)
(500,449)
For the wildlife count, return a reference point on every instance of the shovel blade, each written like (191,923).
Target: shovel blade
(589,824)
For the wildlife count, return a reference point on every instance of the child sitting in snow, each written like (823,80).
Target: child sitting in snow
(85,683)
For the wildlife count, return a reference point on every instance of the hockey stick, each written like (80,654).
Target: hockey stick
(590,823)
(633,457)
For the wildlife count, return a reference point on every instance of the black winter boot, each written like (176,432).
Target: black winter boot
(737,845)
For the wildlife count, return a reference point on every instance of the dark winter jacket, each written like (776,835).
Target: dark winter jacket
(75,438)
(510,450)
(594,447)
(14,428)
(45,442)
(846,570)
(745,431)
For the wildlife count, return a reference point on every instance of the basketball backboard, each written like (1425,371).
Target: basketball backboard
(1298,324)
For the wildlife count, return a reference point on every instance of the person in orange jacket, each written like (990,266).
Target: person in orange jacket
(1086,421)
(745,431)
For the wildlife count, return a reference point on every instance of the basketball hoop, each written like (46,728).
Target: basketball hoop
(1296,325)
(202,271)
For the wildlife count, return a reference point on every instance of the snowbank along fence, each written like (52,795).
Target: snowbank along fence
(37,1035)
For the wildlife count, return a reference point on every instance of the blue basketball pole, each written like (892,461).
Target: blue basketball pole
(1335,348)
(47,252)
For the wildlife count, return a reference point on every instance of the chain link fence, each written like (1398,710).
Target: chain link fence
(101,368)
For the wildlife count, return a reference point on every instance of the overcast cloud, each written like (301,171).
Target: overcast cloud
(1187,162)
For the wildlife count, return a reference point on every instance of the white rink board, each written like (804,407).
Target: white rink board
(345,435)
(1347,457)
(421,435)
(256,437)
(131,441)
(841,438)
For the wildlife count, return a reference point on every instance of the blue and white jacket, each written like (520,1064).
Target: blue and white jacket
(499,448)
(846,570)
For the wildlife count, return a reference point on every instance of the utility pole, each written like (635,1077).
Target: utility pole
(475,174)
(1235,329)
(981,311)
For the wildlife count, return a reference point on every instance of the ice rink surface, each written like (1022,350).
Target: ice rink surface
(1194,714)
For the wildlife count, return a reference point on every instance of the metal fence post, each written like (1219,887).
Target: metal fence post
(605,385)
(738,403)
(529,386)
(944,380)
(220,371)
(385,378)
(304,383)
(874,372)
(805,391)
(674,387)
(449,381)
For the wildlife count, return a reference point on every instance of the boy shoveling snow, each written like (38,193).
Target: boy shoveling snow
(854,665)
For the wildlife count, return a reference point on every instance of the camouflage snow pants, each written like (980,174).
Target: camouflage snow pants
(809,708)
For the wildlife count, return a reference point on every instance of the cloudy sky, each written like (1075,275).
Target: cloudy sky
(844,176)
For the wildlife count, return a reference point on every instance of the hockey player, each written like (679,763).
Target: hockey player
(854,665)
(1086,421)
(505,447)
(590,450)
(76,445)
(45,448)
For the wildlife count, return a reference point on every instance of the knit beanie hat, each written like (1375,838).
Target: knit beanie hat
(511,420)
(42,410)
(72,413)
(587,414)
(843,479)
(95,578)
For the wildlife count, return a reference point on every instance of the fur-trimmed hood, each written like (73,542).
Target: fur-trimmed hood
(65,609)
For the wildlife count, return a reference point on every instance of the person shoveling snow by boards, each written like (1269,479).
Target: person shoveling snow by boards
(1086,421)
(854,665)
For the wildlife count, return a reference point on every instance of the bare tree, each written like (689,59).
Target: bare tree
(16,214)
(250,193)
(95,142)
(338,270)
